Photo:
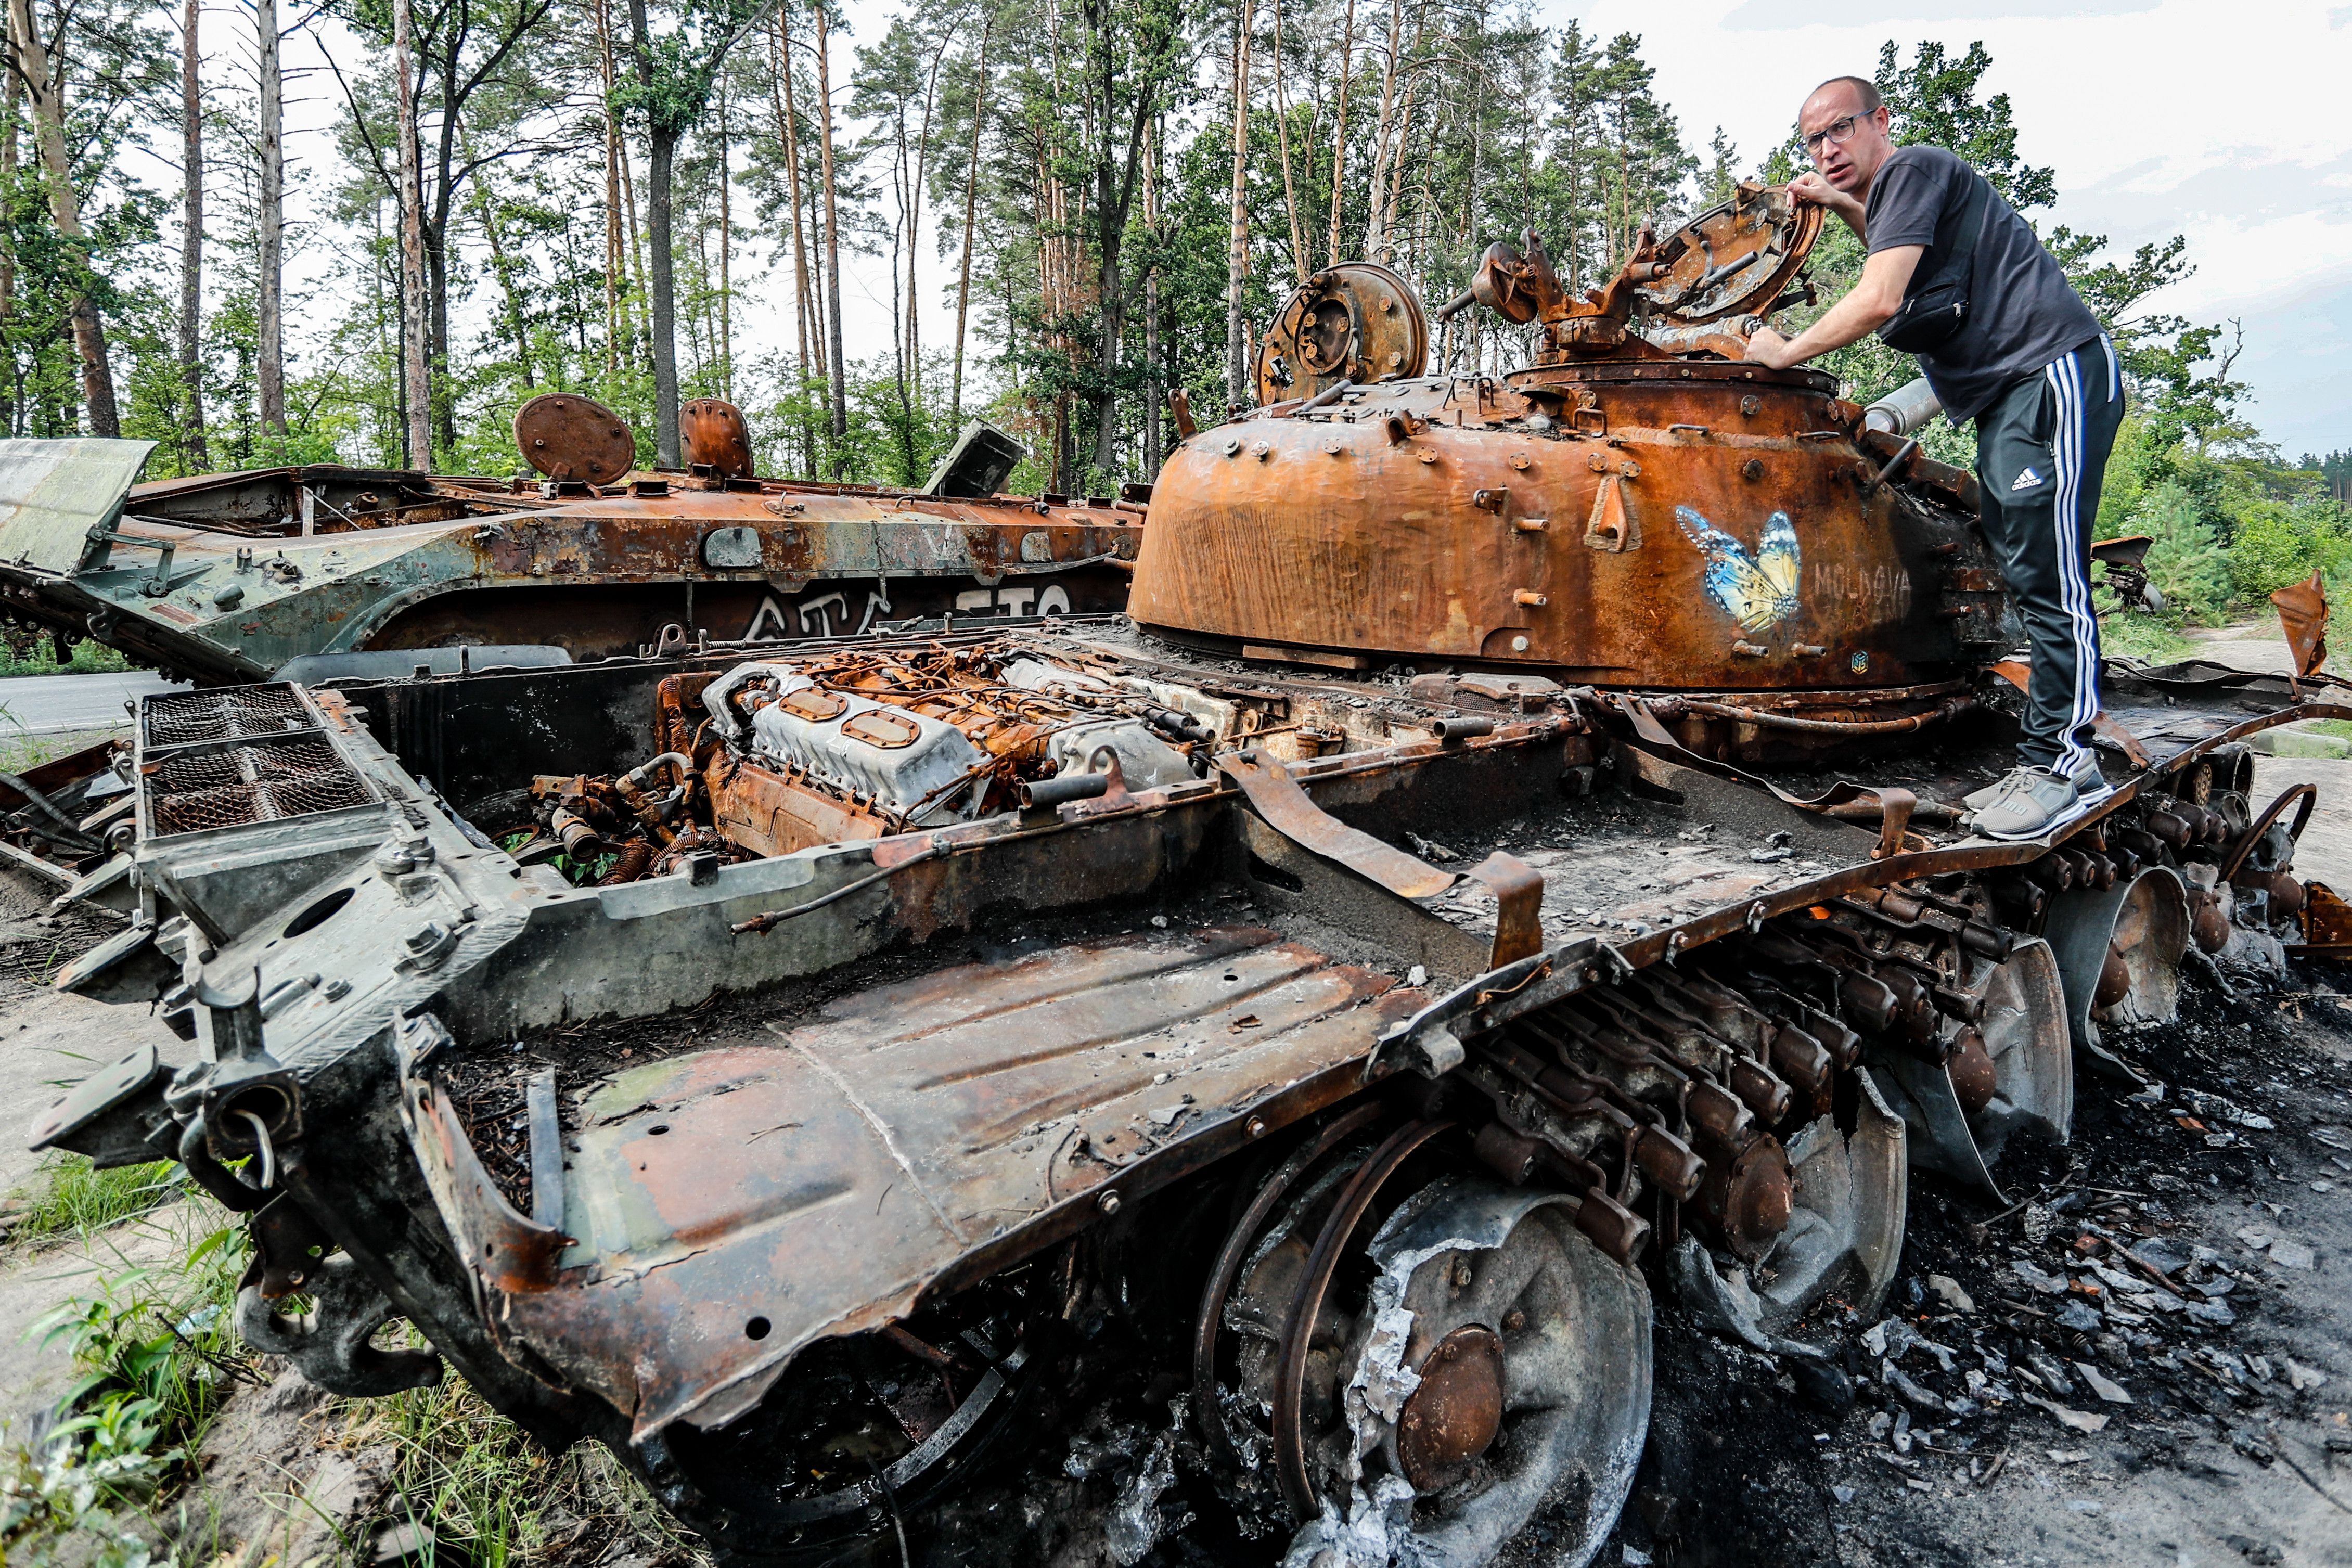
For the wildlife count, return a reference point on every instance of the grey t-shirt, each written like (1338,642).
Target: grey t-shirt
(2022,314)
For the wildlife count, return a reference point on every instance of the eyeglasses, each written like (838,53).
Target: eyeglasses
(1837,131)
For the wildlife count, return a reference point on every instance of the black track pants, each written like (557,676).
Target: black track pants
(2041,453)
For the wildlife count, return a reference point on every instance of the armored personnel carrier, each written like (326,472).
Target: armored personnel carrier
(227,578)
(1506,867)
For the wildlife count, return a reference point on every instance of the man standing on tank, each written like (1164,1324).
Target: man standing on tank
(2018,353)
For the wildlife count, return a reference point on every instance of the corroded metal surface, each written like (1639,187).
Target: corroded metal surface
(228,578)
(895,1132)
(716,437)
(567,437)
(1639,507)
(1357,322)
(1688,527)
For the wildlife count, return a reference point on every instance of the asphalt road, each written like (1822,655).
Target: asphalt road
(52,704)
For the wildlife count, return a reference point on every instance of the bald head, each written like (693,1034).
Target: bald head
(1844,128)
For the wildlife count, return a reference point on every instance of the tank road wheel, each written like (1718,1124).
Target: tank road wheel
(2118,953)
(2013,1069)
(1852,1186)
(858,1436)
(1436,1380)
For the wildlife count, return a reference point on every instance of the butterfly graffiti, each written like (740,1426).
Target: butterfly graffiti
(1757,594)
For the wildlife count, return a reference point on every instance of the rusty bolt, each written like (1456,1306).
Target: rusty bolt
(1598,462)
(1108,1202)
(1750,404)
(1532,524)
(1531,598)
(1264,451)
(1520,460)
(1518,645)
(1427,456)
(1461,1282)
(1257,1126)
(1332,447)
(1753,469)
(1514,1320)
(1630,468)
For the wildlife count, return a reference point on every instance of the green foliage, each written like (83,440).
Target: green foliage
(157,1354)
(2186,562)
(37,655)
(72,1197)
(2276,543)
(495,1498)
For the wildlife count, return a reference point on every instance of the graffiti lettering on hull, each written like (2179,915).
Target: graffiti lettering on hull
(825,615)
(831,613)
(1880,592)
(1014,601)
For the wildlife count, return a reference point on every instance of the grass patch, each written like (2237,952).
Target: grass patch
(22,753)
(493,1496)
(158,1354)
(39,657)
(72,1197)
(2150,637)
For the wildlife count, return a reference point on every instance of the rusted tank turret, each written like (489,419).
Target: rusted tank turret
(1636,509)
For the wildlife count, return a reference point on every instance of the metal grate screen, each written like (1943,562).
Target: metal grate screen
(230,713)
(275,764)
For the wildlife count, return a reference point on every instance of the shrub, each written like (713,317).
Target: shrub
(2186,564)
(2277,545)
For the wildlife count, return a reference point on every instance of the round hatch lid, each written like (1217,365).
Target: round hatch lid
(567,437)
(1734,260)
(1357,322)
(716,437)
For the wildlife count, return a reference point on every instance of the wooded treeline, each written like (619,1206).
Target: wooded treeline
(601,196)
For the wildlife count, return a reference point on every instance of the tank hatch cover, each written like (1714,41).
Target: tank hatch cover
(716,437)
(567,437)
(1733,259)
(1357,322)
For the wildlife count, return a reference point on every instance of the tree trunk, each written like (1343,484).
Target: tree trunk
(14,423)
(787,127)
(1339,131)
(832,244)
(970,202)
(485,210)
(726,345)
(1282,132)
(416,380)
(1152,379)
(1375,228)
(660,150)
(270,221)
(1237,378)
(196,457)
(617,255)
(45,91)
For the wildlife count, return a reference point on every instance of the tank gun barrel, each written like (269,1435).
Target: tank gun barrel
(1904,410)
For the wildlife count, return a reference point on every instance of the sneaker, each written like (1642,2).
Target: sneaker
(2028,804)
(2091,786)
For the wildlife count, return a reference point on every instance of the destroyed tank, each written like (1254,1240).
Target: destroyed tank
(858,1082)
(228,578)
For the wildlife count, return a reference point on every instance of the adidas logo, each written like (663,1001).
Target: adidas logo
(2026,479)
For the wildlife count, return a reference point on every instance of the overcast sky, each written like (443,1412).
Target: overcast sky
(2227,124)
